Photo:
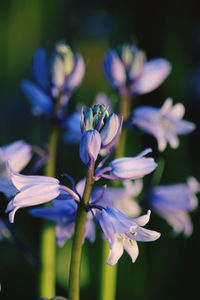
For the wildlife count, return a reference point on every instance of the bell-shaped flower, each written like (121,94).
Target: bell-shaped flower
(128,167)
(18,153)
(129,69)
(173,202)
(55,78)
(32,190)
(122,232)
(123,198)
(165,124)
(90,146)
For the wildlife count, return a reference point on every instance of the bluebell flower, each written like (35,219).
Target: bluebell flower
(63,213)
(174,202)
(122,232)
(165,124)
(18,153)
(100,131)
(107,124)
(73,122)
(31,190)
(90,146)
(55,78)
(123,198)
(127,167)
(129,69)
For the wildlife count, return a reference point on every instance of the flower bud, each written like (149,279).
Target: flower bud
(110,131)
(89,147)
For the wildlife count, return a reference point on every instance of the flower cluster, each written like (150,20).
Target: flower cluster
(129,69)
(53,79)
(97,130)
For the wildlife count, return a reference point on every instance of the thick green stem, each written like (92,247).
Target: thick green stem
(74,276)
(108,278)
(47,239)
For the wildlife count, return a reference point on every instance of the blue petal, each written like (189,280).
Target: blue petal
(42,104)
(39,69)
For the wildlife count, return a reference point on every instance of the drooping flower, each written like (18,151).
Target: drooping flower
(58,77)
(18,154)
(128,69)
(164,123)
(128,167)
(123,198)
(32,190)
(173,202)
(122,232)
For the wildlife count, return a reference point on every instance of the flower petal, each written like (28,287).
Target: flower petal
(154,73)
(115,252)
(42,104)
(131,248)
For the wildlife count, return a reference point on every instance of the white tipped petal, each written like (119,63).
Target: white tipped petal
(131,248)
(115,252)
(143,220)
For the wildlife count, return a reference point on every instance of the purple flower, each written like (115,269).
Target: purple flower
(128,68)
(123,199)
(173,202)
(32,190)
(18,154)
(128,167)
(164,123)
(55,78)
(73,121)
(89,147)
(122,232)
(107,124)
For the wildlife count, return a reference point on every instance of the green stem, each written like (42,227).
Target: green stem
(109,273)
(74,276)
(47,239)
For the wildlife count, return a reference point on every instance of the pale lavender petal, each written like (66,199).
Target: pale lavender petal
(36,194)
(143,235)
(22,181)
(76,76)
(143,220)
(116,252)
(18,153)
(154,73)
(131,248)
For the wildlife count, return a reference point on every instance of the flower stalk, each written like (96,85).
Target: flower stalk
(108,275)
(74,276)
(47,280)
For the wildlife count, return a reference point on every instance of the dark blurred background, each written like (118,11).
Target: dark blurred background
(169,267)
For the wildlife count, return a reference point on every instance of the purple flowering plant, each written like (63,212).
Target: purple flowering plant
(76,210)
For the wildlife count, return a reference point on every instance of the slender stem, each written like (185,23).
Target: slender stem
(109,273)
(124,111)
(74,276)
(47,238)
